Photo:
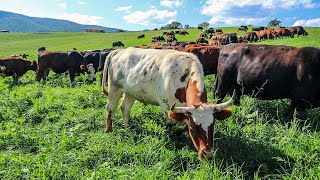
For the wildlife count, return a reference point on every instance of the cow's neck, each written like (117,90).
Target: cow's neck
(195,96)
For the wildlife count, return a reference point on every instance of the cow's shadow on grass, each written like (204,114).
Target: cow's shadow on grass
(255,158)
(281,111)
(251,157)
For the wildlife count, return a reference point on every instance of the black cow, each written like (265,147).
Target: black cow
(117,44)
(16,67)
(228,38)
(219,31)
(61,62)
(299,30)
(271,72)
(141,36)
(103,54)
(243,28)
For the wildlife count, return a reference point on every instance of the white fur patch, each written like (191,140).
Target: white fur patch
(202,116)
(91,72)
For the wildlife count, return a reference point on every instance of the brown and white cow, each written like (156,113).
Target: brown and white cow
(163,78)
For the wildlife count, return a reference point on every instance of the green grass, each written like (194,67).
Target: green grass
(55,131)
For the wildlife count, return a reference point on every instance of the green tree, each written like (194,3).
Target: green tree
(187,26)
(173,25)
(274,22)
(204,25)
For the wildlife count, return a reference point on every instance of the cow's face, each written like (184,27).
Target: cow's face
(33,65)
(201,120)
(91,73)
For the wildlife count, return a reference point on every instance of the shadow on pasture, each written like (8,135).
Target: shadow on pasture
(252,157)
(280,110)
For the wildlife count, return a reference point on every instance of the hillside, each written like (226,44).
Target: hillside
(21,23)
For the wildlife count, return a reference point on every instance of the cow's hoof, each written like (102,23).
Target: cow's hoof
(107,130)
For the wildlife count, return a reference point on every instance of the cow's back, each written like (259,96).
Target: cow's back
(277,71)
(153,76)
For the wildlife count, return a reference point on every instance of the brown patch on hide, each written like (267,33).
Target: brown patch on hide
(181,95)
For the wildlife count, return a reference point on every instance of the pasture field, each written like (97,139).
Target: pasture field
(54,130)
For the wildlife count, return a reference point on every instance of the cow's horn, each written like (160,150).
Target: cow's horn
(180,109)
(172,106)
(177,109)
(221,106)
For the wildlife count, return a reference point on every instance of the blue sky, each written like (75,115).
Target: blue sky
(147,14)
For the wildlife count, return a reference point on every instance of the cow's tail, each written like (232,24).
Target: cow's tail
(105,71)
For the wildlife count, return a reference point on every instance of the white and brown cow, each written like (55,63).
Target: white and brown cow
(163,78)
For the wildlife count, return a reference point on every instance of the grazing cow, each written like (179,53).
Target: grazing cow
(201,28)
(117,44)
(141,36)
(271,72)
(219,30)
(255,29)
(282,32)
(171,39)
(266,34)
(23,56)
(170,33)
(242,29)
(158,38)
(16,67)
(92,58)
(228,38)
(201,39)
(299,30)
(217,37)
(251,37)
(209,31)
(184,33)
(61,62)
(163,78)
(208,56)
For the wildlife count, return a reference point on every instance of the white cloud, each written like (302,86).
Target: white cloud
(235,12)
(310,22)
(235,21)
(81,18)
(151,17)
(82,2)
(170,3)
(123,8)
(63,5)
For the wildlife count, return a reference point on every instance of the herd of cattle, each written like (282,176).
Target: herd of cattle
(172,77)
(218,37)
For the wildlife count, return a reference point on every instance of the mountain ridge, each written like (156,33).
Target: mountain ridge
(15,22)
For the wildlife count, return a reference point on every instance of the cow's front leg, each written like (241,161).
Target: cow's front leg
(126,106)
(114,97)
